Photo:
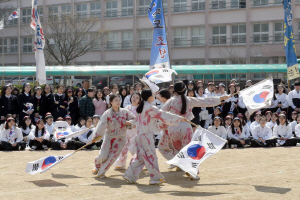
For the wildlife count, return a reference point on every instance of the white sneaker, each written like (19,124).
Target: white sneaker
(159,182)
(127,179)
(194,177)
(45,147)
(33,148)
(102,176)
(171,166)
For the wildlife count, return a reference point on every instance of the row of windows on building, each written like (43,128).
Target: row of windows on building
(183,37)
(94,9)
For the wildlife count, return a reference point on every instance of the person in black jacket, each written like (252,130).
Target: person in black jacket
(25,97)
(48,97)
(73,107)
(59,104)
(39,105)
(8,103)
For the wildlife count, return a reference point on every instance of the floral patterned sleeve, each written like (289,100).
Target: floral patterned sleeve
(164,117)
(204,102)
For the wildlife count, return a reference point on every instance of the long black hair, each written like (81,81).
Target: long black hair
(37,128)
(165,93)
(146,93)
(24,127)
(103,96)
(23,89)
(232,124)
(180,89)
(3,91)
(140,98)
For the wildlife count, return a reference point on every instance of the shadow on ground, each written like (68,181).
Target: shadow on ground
(47,183)
(276,190)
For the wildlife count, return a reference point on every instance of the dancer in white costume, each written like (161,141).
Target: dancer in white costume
(131,134)
(147,118)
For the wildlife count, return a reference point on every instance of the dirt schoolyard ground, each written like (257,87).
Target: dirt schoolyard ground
(262,173)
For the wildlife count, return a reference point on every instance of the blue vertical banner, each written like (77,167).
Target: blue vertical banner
(159,50)
(289,43)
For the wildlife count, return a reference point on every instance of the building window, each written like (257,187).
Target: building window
(278,2)
(14,45)
(96,9)
(81,10)
(279,32)
(96,40)
(198,5)
(145,40)
(143,63)
(257,3)
(26,15)
(198,36)
(198,62)
(41,14)
(127,63)
(219,62)
(260,33)
(27,45)
(144,6)
(127,8)
(218,5)
(180,37)
(219,35)
(53,13)
(238,34)
(3,45)
(238,4)
(127,40)
(165,6)
(180,6)
(259,60)
(111,9)
(113,40)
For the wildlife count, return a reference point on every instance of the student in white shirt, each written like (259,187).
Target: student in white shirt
(231,103)
(256,122)
(248,119)
(227,121)
(282,99)
(283,132)
(127,101)
(294,122)
(217,129)
(26,128)
(114,90)
(273,122)
(297,129)
(262,135)
(49,124)
(39,137)
(245,127)
(294,99)
(236,133)
(268,115)
(11,137)
(87,136)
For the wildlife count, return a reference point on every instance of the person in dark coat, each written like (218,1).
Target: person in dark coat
(39,105)
(8,103)
(73,107)
(58,103)
(24,98)
(48,97)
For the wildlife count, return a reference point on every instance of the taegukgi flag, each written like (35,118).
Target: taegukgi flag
(289,42)
(203,145)
(160,74)
(258,96)
(14,14)
(159,50)
(33,9)
(44,164)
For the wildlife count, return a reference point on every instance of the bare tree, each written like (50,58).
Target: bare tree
(70,37)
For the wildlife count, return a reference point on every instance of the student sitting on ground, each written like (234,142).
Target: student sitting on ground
(217,129)
(283,132)
(12,137)
(236,133)
(262,135)
(39,137)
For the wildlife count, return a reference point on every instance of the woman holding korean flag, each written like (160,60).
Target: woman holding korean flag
(182,105)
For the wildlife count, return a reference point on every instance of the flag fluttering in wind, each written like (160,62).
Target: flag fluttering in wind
(39,48)
(15,14)
(160,74)
(289,43)
(43,164)
(203,145)
(33,9)
(159,50)
(258,96)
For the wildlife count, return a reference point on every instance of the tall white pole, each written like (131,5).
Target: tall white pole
(3,43)
(19,33)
